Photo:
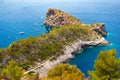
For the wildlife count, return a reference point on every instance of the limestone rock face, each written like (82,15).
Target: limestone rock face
(55,17)
(58,18)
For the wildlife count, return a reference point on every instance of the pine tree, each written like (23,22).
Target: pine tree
(65,72)
(107,66)
(12,71)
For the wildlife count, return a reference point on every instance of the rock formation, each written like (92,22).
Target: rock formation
(58,18)
(55,17)
(99,28)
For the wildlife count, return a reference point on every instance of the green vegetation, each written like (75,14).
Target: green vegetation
(66,72)
(107,66)
(31,76)
(12,71)
(46,46)
(1,54)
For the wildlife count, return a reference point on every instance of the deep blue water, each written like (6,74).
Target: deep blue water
(28,15)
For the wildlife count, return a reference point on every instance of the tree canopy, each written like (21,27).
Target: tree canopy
(12,71)
(107,66)
(65,72)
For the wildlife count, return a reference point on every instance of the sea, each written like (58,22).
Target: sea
(27,17)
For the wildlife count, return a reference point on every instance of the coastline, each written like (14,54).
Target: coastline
(42,53)
(69,53)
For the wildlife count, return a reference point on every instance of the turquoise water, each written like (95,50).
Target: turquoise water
(28,15)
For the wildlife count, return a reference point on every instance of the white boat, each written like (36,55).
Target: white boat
(41,17)
(21,33)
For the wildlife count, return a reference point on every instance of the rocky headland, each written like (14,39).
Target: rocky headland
(42,53)
(58,18)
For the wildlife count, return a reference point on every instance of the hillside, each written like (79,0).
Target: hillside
(31,50)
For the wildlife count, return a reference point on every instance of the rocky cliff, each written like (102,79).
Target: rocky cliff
(99,28)
(58,18)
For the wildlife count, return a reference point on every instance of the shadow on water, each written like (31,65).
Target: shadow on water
(48,28)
